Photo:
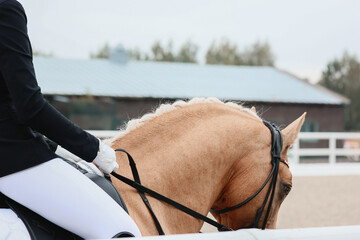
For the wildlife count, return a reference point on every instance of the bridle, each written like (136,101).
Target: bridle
(276,148)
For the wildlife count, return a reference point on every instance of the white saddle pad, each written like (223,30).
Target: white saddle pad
(91,168)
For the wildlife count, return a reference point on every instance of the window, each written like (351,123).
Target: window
(310,126)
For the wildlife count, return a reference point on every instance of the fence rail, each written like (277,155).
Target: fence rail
(349,147)
(323,233)
(103,133)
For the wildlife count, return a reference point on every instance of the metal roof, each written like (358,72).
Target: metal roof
(101,77)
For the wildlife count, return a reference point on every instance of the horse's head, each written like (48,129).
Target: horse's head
(205,154)
(250,174)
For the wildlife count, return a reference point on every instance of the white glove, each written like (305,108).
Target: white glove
(106,158)
(62,152)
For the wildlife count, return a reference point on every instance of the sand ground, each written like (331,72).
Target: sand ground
(319,201)
(322,201)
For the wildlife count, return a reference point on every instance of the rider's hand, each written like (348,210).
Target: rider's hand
(106,159)
(62,152)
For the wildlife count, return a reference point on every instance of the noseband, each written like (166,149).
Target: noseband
(276,147)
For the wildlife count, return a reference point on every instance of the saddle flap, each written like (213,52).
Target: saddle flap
(38,227)
(109,188)
(103,182)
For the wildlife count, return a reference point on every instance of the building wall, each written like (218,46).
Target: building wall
(109,113)
(322,118)
(319,118)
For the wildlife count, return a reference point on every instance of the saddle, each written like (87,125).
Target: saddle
(40,228)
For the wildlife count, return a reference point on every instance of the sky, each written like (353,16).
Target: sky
(304,35)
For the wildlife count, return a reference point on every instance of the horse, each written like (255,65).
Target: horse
(205,154)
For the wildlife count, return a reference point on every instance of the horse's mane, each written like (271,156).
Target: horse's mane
(163,108)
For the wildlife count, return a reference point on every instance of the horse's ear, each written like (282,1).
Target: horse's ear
(253,109)
(291,132)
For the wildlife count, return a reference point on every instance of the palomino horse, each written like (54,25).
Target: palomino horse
(203,154)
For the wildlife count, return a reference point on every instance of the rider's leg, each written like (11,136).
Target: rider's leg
(66,197)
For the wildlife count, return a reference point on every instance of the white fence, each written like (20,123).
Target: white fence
(324,233)
(348,147)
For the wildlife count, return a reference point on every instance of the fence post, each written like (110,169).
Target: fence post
(295,151)
(332,150)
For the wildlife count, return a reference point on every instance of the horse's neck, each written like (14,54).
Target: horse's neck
(188,161)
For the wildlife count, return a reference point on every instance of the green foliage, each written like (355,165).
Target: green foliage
(42,54)
(225,53)
(162,54)
(187,53)
(103,52)
(159,53)
(343,76)
(134,54)
(259,54)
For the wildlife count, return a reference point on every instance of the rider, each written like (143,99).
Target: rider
(31,172)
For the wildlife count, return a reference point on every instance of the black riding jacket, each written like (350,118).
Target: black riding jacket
(24,113)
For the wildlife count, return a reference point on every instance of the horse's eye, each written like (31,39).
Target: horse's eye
(286,188)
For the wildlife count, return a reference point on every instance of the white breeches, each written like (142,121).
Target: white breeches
(64,196)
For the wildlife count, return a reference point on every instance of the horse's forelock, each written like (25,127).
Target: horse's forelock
(163,108)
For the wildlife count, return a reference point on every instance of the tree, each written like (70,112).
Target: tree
(160,54)
(103,52)
(343,76)
(225,53)
(135,54)
(259,54)
(187,53)
(42,54)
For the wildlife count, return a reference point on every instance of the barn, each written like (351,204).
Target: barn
(102,94)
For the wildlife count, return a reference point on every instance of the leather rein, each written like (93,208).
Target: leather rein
(276,148)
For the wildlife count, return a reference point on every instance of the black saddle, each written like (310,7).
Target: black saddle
(40,228)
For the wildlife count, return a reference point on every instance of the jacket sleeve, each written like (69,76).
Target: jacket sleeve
(52,145)
(31,108)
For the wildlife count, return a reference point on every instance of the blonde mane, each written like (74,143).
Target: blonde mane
(163,108)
